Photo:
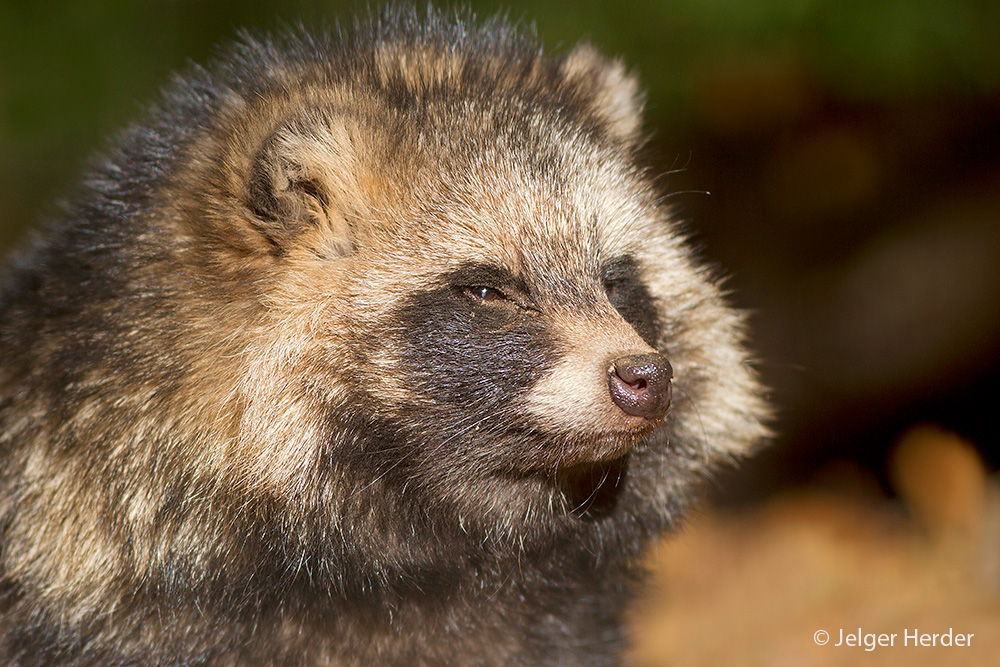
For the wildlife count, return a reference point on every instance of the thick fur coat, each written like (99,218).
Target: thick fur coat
(323,366)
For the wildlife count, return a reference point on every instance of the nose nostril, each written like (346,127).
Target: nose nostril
(640,384)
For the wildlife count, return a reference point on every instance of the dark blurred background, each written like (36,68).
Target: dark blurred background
(840,159)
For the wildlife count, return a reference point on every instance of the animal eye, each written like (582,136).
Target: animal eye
(484,294)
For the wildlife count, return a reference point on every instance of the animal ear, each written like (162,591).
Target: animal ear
(615,95)
(297,184)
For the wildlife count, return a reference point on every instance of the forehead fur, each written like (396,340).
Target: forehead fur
(415,103)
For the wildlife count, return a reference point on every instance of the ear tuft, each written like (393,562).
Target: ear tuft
(616,96)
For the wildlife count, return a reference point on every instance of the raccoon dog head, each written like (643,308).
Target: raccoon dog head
(392,296)
(476,296)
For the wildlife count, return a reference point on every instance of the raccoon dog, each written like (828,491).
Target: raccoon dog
(366,350)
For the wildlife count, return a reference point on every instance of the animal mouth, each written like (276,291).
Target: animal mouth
(610,446)
(592,490)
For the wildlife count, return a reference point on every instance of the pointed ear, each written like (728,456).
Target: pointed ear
(299,182)
(615,94)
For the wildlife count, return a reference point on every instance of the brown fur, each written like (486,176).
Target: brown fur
(249,413)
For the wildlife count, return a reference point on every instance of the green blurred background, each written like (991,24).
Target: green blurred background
(839,158)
